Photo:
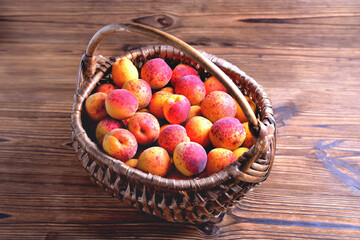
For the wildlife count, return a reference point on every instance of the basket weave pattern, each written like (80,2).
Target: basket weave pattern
(186,201)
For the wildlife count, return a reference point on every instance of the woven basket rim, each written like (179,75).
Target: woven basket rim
(157,182)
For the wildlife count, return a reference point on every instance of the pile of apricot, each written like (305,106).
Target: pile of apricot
(168,122)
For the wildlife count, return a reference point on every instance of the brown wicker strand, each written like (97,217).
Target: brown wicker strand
(190,201)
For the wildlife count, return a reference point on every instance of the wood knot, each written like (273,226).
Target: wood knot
(284,113)
(209,228)
(335,159)
(159,21)
(4,140)
(4,215)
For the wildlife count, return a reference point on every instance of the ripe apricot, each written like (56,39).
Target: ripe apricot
(123,70)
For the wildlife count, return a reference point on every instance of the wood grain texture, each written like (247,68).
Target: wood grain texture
(306,55)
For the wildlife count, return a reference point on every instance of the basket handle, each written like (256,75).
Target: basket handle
(89,61)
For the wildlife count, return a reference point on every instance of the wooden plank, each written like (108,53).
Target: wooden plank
(305,54)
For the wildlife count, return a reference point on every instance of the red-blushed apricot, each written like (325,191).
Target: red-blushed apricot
(170,136)
(120,144)
(131,162)
(168,89)
(198,129)
(156,72)
(218,159)
(176,108)
(240,151)
(123,70)
(212,85)
(141,90)
(154,160)
(156,104)
(105,88)
(190,158)
(121,104)
(105,126)
(164,126)
(227,133)
(218,105)
(95,106)
(239,112)
(145,127)
(182,70)
(195,110)
(192,88)
(249,138)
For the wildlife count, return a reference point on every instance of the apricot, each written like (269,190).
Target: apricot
(170,136)
(190,158)
(182,70)
(218,105)
(145,127)
(164,126)
(156,104)
(176,108)
(156,72)
(249,138)
(105,126)
(105,88)
(240,151)
(131,162)
(198,129)
(239,112)
(212,84)
(168,89)
(195,110)
(95,106)
(192,88)
(121,104)
(227,133)
(218,159)
(123,70)
(154,160)
(141,90)
(120,144)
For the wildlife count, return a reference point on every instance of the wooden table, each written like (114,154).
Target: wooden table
(306,55)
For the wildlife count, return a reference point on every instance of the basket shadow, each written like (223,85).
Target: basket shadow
(128,222)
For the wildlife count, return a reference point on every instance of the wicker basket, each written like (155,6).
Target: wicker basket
(187,201)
